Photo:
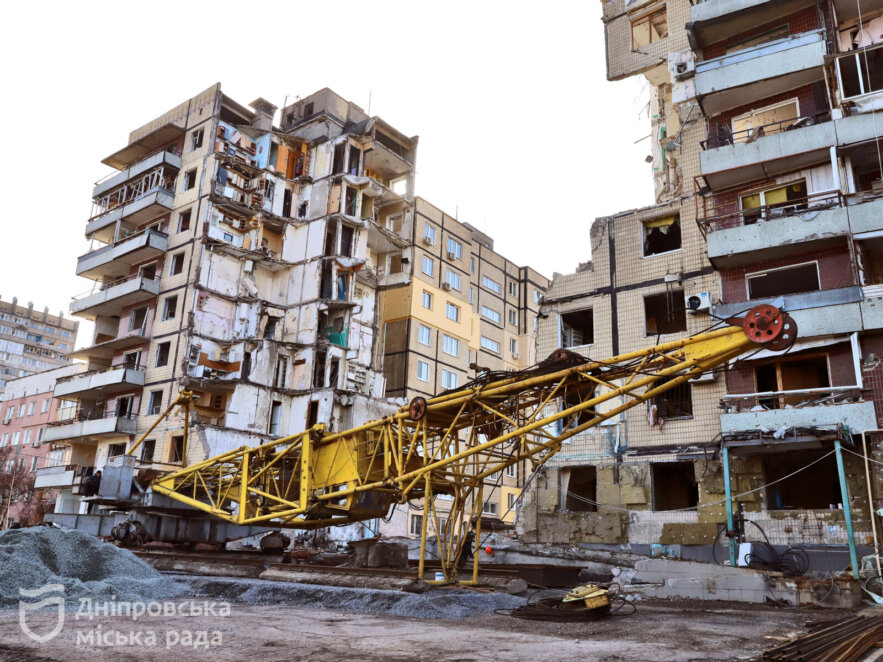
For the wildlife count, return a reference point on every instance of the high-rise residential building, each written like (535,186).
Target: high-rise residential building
(28,466)
(767,173)
(32,341)
(465,308)
(245,260)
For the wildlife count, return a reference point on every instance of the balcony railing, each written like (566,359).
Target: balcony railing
(798,206)
(796,399)
(726,137)
(106,286)
(81,415)
(158,179)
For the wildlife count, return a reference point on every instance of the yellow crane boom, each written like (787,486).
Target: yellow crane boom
(450,443)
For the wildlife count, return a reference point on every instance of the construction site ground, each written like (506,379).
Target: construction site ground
(659,630)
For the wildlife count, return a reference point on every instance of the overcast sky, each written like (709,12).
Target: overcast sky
(520,132)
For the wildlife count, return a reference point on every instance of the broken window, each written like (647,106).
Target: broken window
(394,223)
(302,209)
(184,220)
(416,525)
(148,271)
(286,203)
(662,235)
(115,450)
(351,202)
(676,402)
(674,485)
(281,373)
(196,139)
(339,153)
(275,418)
(786,280)
(189,179)
(124,406)
(162,354)
(577,328)
(137,319)
(148,447)
(176,451)
(649,28)
(343,282)
(581,490)
(665,313)
(816,486)
(170,307)
(177,265)
(132,359)
(859,78)
(394,264)
(334,372)
(154,403)
(773,203)
(791,374)
(355,157)
(319,370)
(330,237)
(346,240)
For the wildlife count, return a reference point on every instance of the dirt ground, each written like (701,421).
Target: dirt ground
(663,631)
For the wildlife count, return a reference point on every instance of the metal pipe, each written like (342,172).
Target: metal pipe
(729,496)
(847,511)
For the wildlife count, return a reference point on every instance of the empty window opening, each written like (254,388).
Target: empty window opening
(189,179)
(674,485)
(275,417)
(346,240)
(662,235)
(394,264)
(124,406)
(196,139)
(870,261)
(676,402)
(131,360)
(343,283)
(649,28)
(854,75)
(312,413)
(788,280)
(319,370)
(334,372)
(162,354)
(177,265)
(148,271)
(330,237)
(339,154)
(302,209)
(286,203)
(270,328)
(577,328)
(280,375)
(176,452)
(115,450)
(774,203)
(665,313)
(814,487)
(581,489)
(355,157)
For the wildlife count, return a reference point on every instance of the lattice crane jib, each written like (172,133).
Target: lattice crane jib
(448,445)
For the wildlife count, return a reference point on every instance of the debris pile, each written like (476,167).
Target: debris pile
(843,640)
(449,603)
(86,566)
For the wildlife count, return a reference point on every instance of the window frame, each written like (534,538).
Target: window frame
(422,330)
(423,367)
(452,307)
(764,272)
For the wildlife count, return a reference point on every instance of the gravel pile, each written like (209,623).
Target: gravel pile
(85,565)
(449,603)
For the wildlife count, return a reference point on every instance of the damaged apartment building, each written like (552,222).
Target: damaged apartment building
(247,262)
(769,184)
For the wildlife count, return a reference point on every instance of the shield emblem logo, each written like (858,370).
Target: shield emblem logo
(25,607)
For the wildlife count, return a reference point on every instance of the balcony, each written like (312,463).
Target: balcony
(820,313)
(111,381)
(115,296)
(65,475)
(748,75)
(171,159)
(799,146)
(712,21)
(83,428)
(147,207)
(115,260)
(105,351)
(806,408)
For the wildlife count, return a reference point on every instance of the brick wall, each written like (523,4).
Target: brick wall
(804,20)
(835,271)
(740,379)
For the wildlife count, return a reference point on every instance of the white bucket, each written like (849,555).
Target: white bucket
(439,576)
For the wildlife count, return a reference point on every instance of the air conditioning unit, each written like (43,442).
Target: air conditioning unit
(684,69)
(515,355)
(704,377)
(697,302)
(452,255)
(427,241)
(446,287)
